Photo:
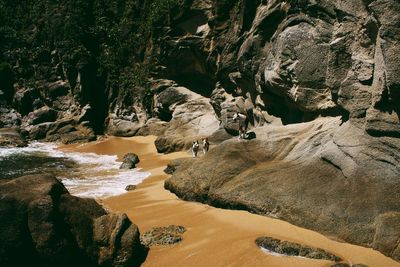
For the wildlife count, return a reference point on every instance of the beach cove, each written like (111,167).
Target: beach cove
(214,237)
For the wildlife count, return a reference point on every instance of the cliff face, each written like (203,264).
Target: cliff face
(181,68)
(294,60)
(290,62)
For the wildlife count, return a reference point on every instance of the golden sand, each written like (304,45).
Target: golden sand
(214,237)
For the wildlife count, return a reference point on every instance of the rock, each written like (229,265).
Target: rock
(9,118)
(44,114)
(128,115)
(57,89)
(130,187)
(257,57)
(67,131)
(79,136)
(153,126)
(379,123)
(118,127)
(319,175)
(294,249)
(129,161)
(24,100)
(119,241)
(387,234)
(51,227)
(162,236)
(192,118)
(11,137)
(174,164)
(39,131)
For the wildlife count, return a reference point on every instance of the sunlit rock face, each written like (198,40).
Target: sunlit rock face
(318,80)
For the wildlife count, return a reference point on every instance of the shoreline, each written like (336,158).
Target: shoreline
(214,237)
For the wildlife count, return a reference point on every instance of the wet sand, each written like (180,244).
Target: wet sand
(214,237)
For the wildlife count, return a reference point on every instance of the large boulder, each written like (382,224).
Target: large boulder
(65,130)
(129,161)
(190,117)
(334,179)
(128,114)
(41,224)
(43,114)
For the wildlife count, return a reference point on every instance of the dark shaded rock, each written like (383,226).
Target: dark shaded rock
(294,249)
(44,114)
(57,89)
(130,187)
(39,131)
(379,123)
(166,102)
(11,137)
(24,100)
(51,227)
(129,161)
(177,163)
(118,240)
(162,236)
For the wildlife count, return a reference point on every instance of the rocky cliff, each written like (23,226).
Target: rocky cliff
(108,67)
(319,81)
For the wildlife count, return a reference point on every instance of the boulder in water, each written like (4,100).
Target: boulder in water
(130,187)
(129,161)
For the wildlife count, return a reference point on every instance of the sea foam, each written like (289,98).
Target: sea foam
(95,176)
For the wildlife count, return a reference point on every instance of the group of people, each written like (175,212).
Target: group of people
(196,147)
(243,124)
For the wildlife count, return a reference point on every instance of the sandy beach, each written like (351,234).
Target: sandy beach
(214,237)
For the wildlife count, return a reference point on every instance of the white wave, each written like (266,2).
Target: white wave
(34,147)
(104,186)
(96,176)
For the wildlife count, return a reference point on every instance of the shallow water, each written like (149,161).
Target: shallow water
(83,174)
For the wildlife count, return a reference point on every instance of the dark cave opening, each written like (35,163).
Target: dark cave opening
(289,113)
(196,82)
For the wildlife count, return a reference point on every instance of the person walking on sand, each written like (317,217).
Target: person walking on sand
(206,145)
(243,123)
(195,148)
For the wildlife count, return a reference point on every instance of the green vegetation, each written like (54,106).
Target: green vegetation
(114,34)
